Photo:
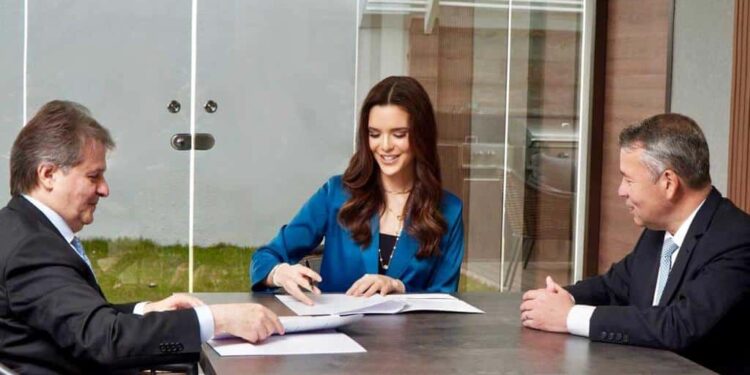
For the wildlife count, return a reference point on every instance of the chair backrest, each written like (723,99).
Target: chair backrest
(188,368)
(536,211)
(313,260)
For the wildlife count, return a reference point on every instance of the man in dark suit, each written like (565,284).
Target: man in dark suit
(53,316)
(685,286)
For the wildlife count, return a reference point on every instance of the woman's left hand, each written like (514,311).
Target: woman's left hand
(370,284)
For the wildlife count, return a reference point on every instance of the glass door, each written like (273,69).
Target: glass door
(504,77)
(275,89)
(129,63)
(277,86)
(11,85)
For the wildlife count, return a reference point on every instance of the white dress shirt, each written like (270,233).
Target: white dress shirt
(579,317)
(205,317)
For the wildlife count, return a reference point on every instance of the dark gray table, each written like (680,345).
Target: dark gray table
(447,343)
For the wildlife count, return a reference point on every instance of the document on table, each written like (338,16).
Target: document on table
(293,324)
(342,304)
(331,342)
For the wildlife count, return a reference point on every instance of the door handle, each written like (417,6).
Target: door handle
(184,141)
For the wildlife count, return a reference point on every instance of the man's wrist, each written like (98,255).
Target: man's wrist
(579,319)
(140,308)
(205,321)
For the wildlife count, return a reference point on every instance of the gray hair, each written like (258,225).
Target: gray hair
(671,141)
(56,135)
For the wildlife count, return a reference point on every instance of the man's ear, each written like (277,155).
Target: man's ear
(46,175)
(672,183)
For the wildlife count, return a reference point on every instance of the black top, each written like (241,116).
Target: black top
(387,245)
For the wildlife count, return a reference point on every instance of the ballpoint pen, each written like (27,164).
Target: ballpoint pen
(313,283)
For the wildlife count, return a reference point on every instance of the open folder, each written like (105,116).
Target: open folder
(341,304)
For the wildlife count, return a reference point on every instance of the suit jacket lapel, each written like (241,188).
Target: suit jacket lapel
(678,269)
(695,232)
(27,209)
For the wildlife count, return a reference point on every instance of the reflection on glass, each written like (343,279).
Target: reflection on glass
(505,86)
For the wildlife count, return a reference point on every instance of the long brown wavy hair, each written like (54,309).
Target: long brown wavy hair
(362,176)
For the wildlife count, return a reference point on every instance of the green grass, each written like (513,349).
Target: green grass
(138,269)
(469,284)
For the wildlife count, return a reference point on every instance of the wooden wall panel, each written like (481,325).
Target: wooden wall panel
(443,63)
(739,142)
(635,88)
(599,66)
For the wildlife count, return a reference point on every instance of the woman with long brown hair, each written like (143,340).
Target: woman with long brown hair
(388,225)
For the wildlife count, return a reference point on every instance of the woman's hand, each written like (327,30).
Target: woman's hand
(292,278)
(369,284)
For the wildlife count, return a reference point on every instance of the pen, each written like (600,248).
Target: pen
(313,283)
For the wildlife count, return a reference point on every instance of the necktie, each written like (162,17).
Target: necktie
(665,265)
(78,246)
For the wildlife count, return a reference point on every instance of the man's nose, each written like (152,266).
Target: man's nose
(103,188)
(622,190)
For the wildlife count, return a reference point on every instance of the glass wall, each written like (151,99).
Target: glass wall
(504,80)
(126,61)
(267,92)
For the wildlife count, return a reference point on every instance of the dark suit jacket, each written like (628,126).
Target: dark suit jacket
(703,313)
(55,319)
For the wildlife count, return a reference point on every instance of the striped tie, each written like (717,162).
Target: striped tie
(665,266)
(78,246)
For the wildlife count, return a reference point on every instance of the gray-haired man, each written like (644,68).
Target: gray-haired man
(686,284)
(53,316)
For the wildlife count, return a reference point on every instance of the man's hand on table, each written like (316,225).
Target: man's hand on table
(250,321)
(546,309)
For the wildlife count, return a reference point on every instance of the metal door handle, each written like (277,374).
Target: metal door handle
(184,141)
(211,106)
(174,106)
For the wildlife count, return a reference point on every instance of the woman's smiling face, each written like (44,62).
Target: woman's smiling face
(388,129)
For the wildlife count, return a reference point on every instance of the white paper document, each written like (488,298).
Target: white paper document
(313,323)
(342,304)
(300,343)
(293,324)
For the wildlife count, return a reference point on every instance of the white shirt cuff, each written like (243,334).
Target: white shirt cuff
(579,319)
(206,321)
(139,307)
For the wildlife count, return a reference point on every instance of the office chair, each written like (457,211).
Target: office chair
(534,211)
(313,260)
(175,368)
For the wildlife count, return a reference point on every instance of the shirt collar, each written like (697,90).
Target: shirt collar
(679,236)
(54,218)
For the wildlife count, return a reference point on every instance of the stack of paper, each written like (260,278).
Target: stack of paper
(308,343)
(330,311)
(294,324)
(342,304)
